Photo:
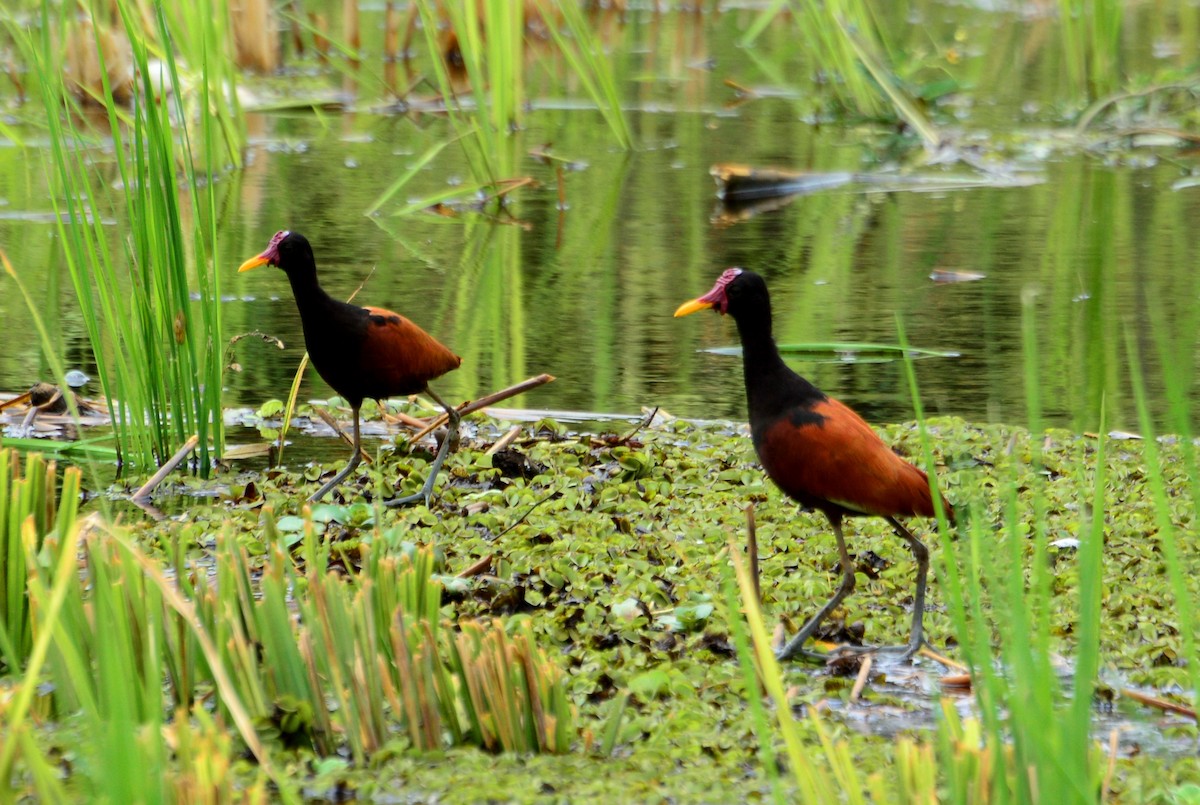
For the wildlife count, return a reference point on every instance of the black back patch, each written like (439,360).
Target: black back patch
(801,416)
(383,321)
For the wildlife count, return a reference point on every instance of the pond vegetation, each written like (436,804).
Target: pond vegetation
(983,214)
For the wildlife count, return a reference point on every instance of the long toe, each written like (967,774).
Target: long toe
(782,655)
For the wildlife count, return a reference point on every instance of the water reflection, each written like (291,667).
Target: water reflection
(584,289)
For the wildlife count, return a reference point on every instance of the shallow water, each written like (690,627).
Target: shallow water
(1098,241)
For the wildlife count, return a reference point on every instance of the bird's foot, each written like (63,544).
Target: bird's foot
(904,652)
(426,492)
(793,648)
(424,495)
(814,656)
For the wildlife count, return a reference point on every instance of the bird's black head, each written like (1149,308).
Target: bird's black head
(287,250)
(737,292)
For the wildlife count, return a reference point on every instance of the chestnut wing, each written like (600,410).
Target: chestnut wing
(401,356)
(826,453)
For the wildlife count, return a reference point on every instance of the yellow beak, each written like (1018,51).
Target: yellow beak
(253,262)
(687,308)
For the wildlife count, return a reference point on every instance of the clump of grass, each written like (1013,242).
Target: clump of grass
(1001,612)
(28,505)
(297,657)
(1090,32)
(848,43)
(824,769)
(491,44)
(156,351)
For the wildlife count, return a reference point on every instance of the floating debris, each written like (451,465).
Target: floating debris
(77,379)
(944,276)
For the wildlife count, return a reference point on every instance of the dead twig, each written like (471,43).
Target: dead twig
(528,512)
(504,441)
(482,566)
(740,89)
(484,402)
(645,423)
(506,186)
(864,674)
(1161,704)
(20,399)
(157,478)
(1099,106)
(401,418)
(926,651)
(1113,746)
(752,549)
(956,681)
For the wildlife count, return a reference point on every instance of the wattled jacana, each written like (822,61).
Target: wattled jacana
(361,352)
(816,450)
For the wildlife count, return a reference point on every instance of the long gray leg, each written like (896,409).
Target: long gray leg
(921,554)
(451,437)
(355,457)
(843,590)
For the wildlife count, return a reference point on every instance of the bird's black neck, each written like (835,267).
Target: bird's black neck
(772,388)
(309,294)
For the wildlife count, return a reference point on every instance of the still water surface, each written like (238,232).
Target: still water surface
(1098,246)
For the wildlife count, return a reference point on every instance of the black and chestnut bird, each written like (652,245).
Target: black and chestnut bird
(816,450)
(363,353)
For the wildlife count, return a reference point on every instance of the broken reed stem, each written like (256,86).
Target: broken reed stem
(175,460)
(751,548)
(331,422)
(484,402)
(864,674)
(391,32)
(504,441)
(740,89)
(956,681)
(645,423)
(926,651)
(402,418)
(294,28)
(482,566)
(350,30)
(1161,704)
(1114,739)
(506,186)
(20,399)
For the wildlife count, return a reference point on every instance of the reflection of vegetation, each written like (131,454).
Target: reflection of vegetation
(847,43)
(1091,37)
(491,68)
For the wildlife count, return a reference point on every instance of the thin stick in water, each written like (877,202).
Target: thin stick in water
(926,651)
(482,566)
(175,460)
(751,548)
(401,418)
(645,423)
(484,402)
(504,441)
(1161,704)
(864,674)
